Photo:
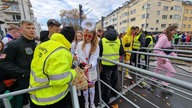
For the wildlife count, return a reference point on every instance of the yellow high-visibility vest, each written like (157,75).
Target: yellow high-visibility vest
(51,65)
(151,42)
(110,50)
(136,42)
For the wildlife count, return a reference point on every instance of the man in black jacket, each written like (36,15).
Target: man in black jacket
(17,61)
(53,27)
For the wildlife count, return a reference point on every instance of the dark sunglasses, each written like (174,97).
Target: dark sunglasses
(89,36)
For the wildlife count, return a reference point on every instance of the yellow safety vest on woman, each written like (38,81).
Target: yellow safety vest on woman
(51,65)
(136,42)
(110,50)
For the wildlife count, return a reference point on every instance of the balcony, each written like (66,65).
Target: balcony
(12,21)
(29,4)
(8,10)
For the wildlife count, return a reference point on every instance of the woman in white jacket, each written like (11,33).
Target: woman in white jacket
(87,53)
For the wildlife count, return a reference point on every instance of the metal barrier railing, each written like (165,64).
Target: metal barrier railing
(7,104)
(171,50)
(141,72)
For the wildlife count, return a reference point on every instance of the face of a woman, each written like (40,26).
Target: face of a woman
(79,37)
(88,37)
(174,32)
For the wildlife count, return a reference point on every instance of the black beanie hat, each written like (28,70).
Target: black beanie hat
(110,27)
(68,32)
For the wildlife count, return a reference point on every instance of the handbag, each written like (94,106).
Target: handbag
(80,80)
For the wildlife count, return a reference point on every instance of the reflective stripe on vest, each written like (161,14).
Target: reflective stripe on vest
(151,42)
(50,99)
(110,50)
(136,42)
(51,77)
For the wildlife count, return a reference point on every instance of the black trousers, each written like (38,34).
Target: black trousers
(64,103)
(109,75)
(133,58)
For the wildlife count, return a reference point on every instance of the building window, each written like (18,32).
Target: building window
(190,18)
(186,10)
(14,7)
(165,8)
(191,11)
(151,28)
(142,25)
(185,18)
(159,4)
(171,16)
(184,25)
(124,21)
(158,12)
(157,21)
(176,16)
(178,8)
(16,17)
(164,16)
(146,6)
(156,29)
(163,25)
(133,11)
(145,15)
(189,26)
(132,19)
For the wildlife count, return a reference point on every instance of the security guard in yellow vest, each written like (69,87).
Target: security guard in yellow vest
(110,48)
(51,65)
(138,42)
(148,43)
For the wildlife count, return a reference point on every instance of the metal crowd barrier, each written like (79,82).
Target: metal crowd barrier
(4,97)
(141,72)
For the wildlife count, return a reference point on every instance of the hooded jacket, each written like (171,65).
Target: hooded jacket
(44,36)
(127,39)
(111,35)
(51,65)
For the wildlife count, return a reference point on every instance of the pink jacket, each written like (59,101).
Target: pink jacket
(163,42)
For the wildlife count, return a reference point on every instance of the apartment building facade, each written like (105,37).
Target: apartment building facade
(187,17)
(16,11)
(151,15)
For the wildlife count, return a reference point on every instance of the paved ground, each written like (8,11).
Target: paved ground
(159,97)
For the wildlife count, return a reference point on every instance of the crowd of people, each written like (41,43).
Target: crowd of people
(27,61)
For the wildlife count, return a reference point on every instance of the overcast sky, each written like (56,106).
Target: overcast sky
(47,9)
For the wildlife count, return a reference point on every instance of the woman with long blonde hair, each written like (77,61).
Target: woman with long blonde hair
(87,54)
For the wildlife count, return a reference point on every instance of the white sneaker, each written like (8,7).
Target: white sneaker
(128,77)
(93,106)
(86,105)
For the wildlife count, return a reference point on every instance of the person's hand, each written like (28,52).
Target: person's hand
(87,67)
(74,57)
(163,61)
